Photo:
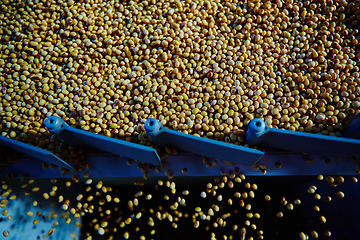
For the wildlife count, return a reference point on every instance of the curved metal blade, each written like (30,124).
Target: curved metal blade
(35,152)
(202,146)
(352,129)
(259,134)
(81,138)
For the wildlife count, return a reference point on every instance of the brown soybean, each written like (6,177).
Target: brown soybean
(6,233)
(340,194)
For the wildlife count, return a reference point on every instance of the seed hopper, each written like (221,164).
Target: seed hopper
(285,153)
(108,156)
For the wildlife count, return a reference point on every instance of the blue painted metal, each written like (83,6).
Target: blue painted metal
(260,134)
(112,162)
(81,138)
(114,166)
(163,137)
(32,151)
(352,129)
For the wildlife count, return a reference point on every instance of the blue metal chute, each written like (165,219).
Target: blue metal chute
(164,137)
(261,135)
(32,151)
(81,138)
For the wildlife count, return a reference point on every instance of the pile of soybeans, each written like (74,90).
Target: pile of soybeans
(201,67)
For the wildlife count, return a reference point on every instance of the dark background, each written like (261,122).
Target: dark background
(341,214)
